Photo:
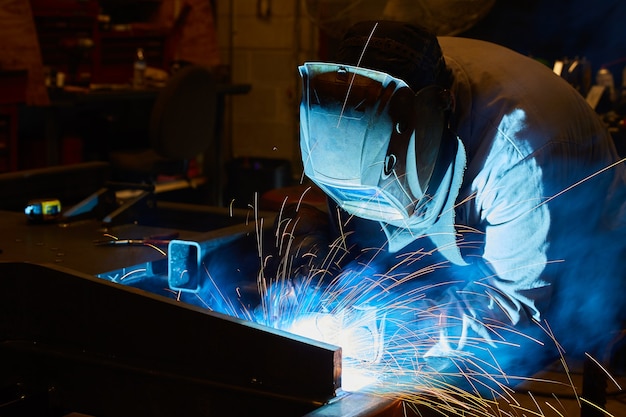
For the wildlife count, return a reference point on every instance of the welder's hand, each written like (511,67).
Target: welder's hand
(445,330)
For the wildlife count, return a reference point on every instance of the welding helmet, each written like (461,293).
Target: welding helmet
(370,142)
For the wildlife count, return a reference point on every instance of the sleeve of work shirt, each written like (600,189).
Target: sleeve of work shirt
(507,284)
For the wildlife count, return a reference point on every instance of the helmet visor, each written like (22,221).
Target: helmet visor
(358,140)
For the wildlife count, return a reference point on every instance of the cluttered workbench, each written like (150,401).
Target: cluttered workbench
(82,332)
(80,246)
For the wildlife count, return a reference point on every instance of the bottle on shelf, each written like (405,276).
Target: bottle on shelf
(139,70)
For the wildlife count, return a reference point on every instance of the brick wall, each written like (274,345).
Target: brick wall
(263,42)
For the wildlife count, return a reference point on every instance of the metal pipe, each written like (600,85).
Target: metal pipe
(185,257)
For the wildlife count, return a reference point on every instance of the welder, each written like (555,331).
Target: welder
(487,165)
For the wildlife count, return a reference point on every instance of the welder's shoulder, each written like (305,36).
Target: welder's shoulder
(454,43)
(491,64)
(474,48)
(499,85)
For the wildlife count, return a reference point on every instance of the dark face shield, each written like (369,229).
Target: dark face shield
(368,140)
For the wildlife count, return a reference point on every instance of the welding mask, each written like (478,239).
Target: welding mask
(370,142)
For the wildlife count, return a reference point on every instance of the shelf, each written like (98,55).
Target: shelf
(74,42)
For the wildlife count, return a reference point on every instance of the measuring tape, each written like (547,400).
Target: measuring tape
(43,210)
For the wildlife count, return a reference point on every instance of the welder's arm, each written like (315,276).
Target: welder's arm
(506,283)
